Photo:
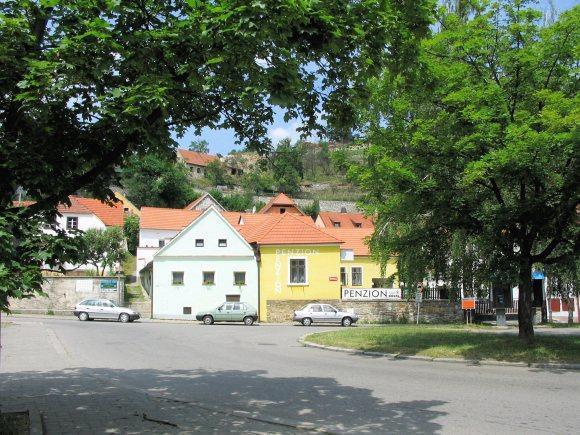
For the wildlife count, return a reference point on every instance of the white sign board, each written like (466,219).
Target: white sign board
(84,285)
(371,294)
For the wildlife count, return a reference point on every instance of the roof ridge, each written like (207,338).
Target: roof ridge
(312,225)
(278,219)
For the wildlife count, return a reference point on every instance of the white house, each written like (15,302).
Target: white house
(207,263)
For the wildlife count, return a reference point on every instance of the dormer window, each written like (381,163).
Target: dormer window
(357,224)
(336,224)
(282,210)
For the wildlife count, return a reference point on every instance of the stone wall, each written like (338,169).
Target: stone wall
(64,292)
(374,312)
(324,205)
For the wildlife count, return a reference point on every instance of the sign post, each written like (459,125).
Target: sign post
(419,299)
(468,305)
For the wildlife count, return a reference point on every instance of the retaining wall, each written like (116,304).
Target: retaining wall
(441,311)
(62,293)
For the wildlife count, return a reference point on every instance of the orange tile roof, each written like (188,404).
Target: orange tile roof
(195,158)
(288,229)
(22,203)
(280,199)
(265,229)
(110,214)
(354,238)
(166,218)
(346,220)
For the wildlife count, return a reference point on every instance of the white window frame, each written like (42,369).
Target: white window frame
(305,271)
(362,276)
(345,275)
(72,218)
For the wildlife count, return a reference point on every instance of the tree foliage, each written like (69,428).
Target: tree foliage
(131,233)
(475,151)
(157,181)
(286,164)
(103,249)
(88,84)
(200,146)
(217,173)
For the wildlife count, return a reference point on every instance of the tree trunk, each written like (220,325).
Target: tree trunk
(525,314)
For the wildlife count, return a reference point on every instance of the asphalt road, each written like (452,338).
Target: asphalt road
(264,370)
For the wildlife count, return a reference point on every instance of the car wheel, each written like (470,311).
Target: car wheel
(248,321)
(347,321)
(307,321)
(84,317)
(208,320)
(124,317)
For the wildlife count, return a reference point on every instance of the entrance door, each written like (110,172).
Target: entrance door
(232,298)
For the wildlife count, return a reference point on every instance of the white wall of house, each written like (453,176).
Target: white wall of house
(149,238)
(85,221)
(182,255)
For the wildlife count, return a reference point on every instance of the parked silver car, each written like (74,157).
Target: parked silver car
(323,313)
(90,309)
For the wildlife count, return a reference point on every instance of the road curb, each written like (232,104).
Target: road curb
(397,356)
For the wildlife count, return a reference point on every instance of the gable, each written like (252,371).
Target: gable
(210,226)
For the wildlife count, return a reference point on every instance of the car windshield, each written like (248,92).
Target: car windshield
(304,308)
(112,303)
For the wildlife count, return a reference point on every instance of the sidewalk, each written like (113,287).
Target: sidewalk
(68,402)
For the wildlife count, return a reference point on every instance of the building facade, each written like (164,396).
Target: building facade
(206,264)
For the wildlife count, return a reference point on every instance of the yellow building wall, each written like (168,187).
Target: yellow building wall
(322,274)
(370,268)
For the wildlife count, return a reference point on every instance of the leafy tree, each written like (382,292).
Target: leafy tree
(233,202)
(87,84)
(201,146)
(102,249)
(478,147)
(340,161)
(287,167)
(313,209)
(156,181)
(217,173)
(258,181)
(131,233)
(564,282)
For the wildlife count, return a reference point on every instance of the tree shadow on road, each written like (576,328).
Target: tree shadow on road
(237,401)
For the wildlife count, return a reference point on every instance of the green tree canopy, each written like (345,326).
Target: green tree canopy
(131,233)
(102,249)
(86,84)
(201,146)
(476,149)
(287,167)
(156,181)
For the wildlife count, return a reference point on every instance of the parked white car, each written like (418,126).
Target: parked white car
(323,313)
(90,309)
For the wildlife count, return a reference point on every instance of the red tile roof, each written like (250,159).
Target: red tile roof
(265,229)
(346,220)
(110,214)
(195,158)
(288,229)
(166,218)
(354,238)
(281,200)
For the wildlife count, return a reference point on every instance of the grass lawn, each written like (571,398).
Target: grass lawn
(453,342)
(562,325)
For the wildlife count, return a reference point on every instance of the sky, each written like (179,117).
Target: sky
(223,141)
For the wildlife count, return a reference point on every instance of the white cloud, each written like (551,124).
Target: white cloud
(288,130)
